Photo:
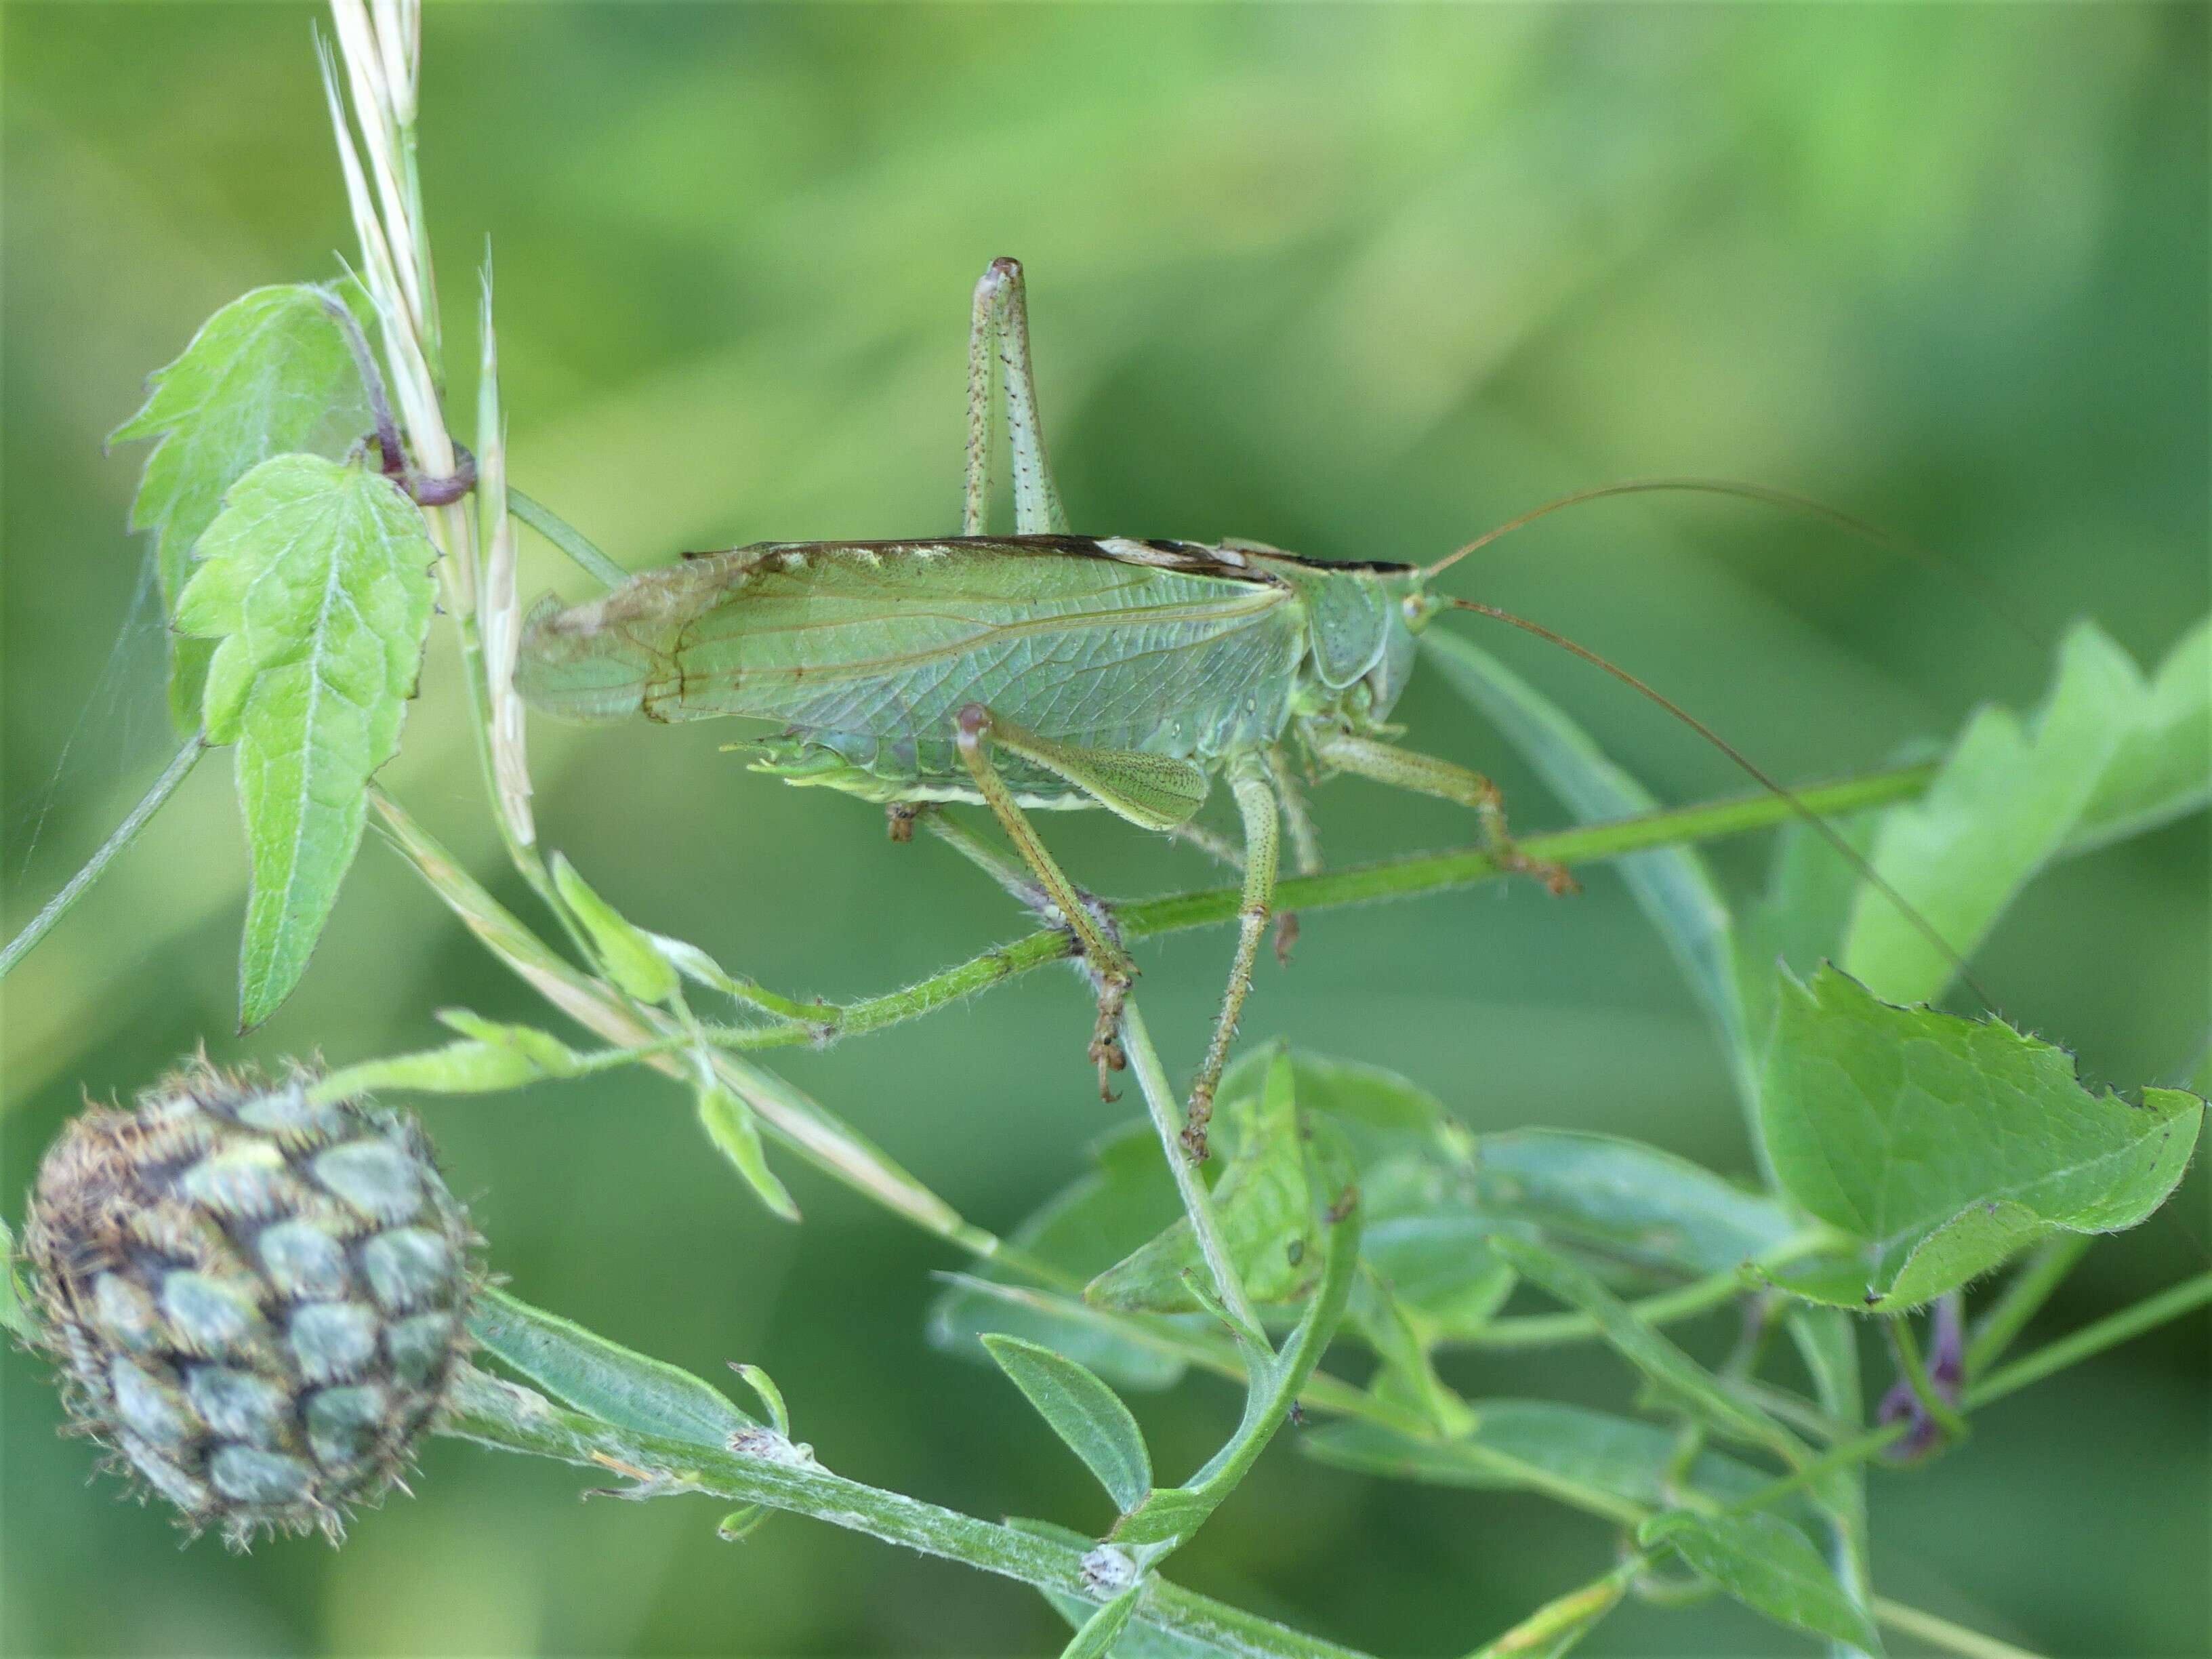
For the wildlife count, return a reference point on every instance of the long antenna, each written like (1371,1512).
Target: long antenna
(1828,832)
(1987,591)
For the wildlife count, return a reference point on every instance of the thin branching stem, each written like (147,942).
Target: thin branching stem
(126,832)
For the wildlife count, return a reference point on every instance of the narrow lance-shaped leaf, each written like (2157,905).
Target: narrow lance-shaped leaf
(627,1389)
(1673,886)
(625,951)
(269,372)
(1769,1566)
(729,1124)
(1084,1412)
(1946,1145)
(1536,1445)
(315,579)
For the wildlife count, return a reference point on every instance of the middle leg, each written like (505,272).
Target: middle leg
(1407,768)
(1255,804)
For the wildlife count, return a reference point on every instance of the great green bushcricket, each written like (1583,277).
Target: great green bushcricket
(1040,670)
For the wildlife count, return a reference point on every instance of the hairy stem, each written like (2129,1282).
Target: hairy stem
(1406,877)
(499,1414)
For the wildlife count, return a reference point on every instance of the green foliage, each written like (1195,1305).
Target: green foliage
(1127,1199)
(1767,1565)
(730,1125)
(1628,1201)
(315,578)
(1537,1445)
(2108,748)
(15,1315)
(1083,1412)
(609,1382)
(625,951)
(1267,1219)
(1680,1379)
(491,1056)
(269,373)
(1943,1145)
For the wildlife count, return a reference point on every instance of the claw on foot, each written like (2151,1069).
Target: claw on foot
(1286,937)
(900,816)
(1194,1122)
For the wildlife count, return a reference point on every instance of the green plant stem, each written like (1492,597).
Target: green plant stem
(2022,1298)
(565,537)
(1906,1349)
(1684,1302)
(2092,1340)
(1941,1632)
(126,832)
(498,1414)
(1406,877)
(1190,1185)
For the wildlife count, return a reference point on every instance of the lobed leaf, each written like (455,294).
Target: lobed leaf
(2108,750)
(1086,1414)
(269,373)
(315,579)
(1944,1144)
(625,1389)
(1769,1566)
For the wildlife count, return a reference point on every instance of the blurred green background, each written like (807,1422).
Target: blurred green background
(1357,281)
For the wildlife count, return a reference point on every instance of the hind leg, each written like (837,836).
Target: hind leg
(999,352)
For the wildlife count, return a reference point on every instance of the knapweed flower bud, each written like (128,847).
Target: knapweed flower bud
(255,1299)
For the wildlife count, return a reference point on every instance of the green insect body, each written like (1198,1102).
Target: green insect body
(1036,671)
(866,652)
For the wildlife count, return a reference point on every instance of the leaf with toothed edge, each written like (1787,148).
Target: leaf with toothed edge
(1944,1145)
(315,580)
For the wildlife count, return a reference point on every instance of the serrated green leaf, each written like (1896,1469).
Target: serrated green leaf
(1097,1220)
(1517,1444)
(626,1389)
(1945,1144)
(626,950)
(2163,765)
(729,1124)
(2008,799)
(267,374)
(1084,1412)
(1799,921)
(1267,1224)
(1678,1377)
(1768,1566)
(1673,886)
(1626,1200)
(315,580)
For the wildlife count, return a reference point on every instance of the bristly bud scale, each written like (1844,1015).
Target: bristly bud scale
(255,1299)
